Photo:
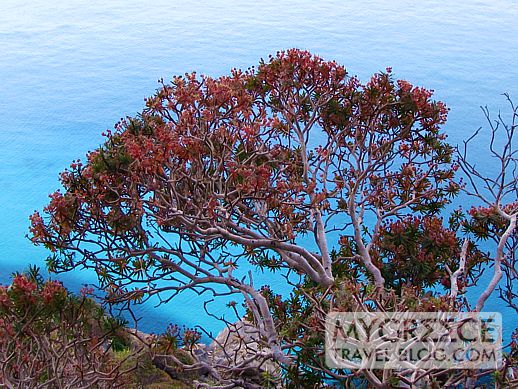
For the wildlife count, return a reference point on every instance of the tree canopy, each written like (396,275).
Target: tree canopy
(294,165)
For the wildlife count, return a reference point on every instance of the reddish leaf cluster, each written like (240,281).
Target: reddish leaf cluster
(418,250)
(49,338)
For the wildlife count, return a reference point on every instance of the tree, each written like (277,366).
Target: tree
(295,165)
(50,338)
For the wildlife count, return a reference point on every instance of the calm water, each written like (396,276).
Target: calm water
(70,70)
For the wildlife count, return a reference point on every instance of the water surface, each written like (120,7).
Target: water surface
(70,69)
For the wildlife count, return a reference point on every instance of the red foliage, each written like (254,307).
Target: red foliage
(264,166)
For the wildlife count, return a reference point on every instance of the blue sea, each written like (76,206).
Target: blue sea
(70,69)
